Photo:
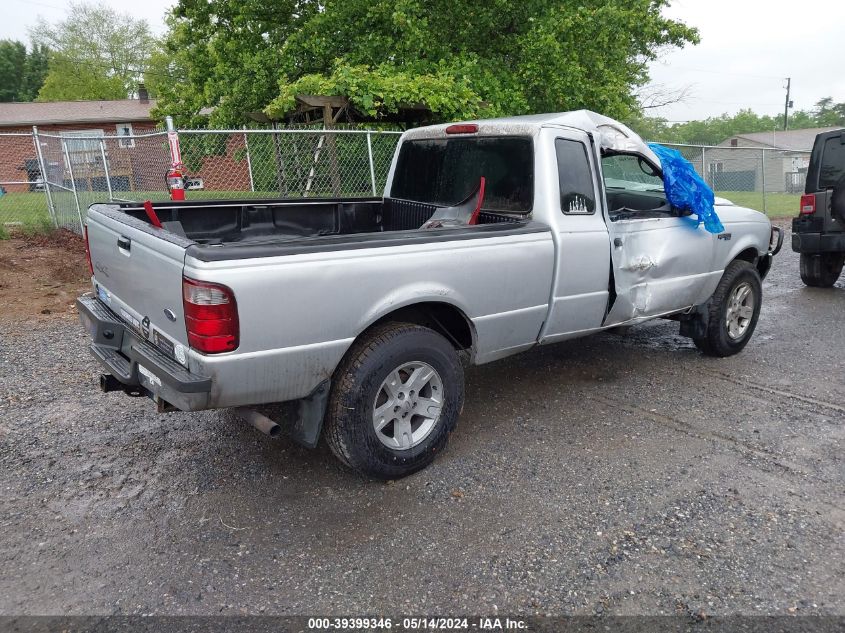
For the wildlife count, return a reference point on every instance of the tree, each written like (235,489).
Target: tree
(12,62)
(461,58)
(22,72)
(828,113)
(97,53)
(34,72)
(223,54)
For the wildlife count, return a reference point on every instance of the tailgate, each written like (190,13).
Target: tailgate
(138,274)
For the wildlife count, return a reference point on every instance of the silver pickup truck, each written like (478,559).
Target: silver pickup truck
(359,320)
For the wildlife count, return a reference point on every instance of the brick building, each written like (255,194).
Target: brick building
(18,158)
(133,164)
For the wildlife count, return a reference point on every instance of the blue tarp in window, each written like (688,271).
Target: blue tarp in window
(685,189)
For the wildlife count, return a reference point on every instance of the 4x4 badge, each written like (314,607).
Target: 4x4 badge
(724,236)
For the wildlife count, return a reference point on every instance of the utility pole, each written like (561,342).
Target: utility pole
(787,105)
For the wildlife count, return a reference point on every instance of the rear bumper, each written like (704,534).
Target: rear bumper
(809,235)
(818,242)
(138,364)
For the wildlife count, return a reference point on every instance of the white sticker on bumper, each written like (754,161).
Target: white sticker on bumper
(154,380)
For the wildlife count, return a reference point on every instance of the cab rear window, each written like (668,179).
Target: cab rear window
(833,163)
(446,171)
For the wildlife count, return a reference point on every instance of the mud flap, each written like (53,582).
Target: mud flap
(694,324)
(310,414)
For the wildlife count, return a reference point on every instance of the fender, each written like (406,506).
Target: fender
(409,295)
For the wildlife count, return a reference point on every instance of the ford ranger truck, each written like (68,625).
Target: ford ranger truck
(360,321)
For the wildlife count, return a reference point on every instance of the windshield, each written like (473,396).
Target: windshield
(625,171)
(445,172)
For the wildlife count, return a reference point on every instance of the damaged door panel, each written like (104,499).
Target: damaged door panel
(660,264)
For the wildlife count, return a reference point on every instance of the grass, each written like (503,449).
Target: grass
(778,205)
(23,208)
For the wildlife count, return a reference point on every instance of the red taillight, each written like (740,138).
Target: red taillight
(462,128)
(88,250)
(808,204)
(211,316)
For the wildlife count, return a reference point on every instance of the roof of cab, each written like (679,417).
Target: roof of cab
(609,133)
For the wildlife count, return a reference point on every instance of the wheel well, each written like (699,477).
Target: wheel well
(443,318)
(762,264)
(749,255)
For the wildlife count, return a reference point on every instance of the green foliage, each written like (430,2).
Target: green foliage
(828,113)
(12,60)
(381,90)
(69,81)
(4,234)
(22,72)
(460,58)
(714,130)
(97,53)
(223,54)
(38,226)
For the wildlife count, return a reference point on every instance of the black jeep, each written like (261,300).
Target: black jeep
(818,233)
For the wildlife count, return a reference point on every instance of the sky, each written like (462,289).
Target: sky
(747,49)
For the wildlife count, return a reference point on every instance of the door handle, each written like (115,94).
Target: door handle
(124,244)
(617,242)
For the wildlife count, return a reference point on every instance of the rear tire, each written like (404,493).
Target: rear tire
(395,399)
(821,271)
(733,311)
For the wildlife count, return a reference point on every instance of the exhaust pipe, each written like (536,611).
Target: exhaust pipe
(260,422)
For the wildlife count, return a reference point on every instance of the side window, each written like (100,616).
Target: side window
(833,163)
(577,196)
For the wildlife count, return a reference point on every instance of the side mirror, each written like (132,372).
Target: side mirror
(647,168)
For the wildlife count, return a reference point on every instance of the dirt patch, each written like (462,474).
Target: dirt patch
(41,274)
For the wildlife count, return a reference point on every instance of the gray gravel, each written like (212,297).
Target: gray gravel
(623,473)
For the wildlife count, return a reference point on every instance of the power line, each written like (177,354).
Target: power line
(720,72)
(43,4)
(739,103)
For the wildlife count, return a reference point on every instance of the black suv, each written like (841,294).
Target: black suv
(818,233)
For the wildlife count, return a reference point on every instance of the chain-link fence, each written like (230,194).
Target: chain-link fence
(769,180)
(287,163)
(22,193)
(62,174)
(81,169)
(52,178)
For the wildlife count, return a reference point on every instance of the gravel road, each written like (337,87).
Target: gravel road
(624,473)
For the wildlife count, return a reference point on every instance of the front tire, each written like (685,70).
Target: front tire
(733,311)
(395,399)
(822,270)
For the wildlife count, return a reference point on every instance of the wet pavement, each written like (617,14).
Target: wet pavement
(623,473)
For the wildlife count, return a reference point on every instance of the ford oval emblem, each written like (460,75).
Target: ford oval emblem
(170,314)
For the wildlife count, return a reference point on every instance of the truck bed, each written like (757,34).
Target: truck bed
(219,222)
